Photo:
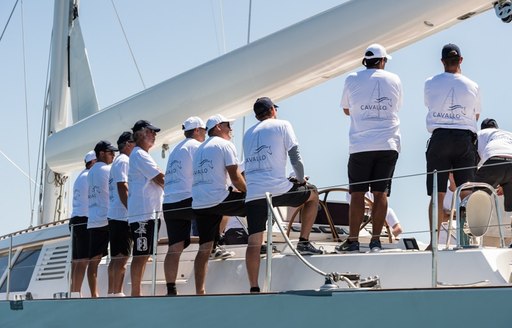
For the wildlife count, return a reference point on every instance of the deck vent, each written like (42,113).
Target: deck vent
(53,265)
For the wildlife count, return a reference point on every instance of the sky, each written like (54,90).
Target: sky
(170,37)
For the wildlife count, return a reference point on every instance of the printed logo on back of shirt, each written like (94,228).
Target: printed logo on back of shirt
(377,106)
(451,109)
(202,173)
(258,160)
(172,175)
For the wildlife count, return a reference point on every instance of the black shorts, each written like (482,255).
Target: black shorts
(257,210)
(98,241)
(375,166)
(143,234)
(449,149)
(120,238)
(498,173)
(178,220)
(208,219)
(80,237)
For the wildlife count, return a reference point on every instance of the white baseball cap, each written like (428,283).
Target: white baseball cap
(376,51)
(216,119)
(192,123)
(90,156)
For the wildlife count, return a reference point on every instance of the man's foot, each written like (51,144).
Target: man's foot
(220,253)
(375,245)
(263,249)
(306,248)
(347,247)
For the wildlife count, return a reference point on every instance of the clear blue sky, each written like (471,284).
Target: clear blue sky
(168,38)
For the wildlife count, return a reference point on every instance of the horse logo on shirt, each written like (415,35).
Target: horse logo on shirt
(377,106)
(173,172)
(452,110)
(258,160)
(201,172)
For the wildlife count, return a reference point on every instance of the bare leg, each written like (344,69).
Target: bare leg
(440,214)
(172,260)
(356,214)
(252,258)
(119,268)
(77,275)
(111,276)
(308,215)
(136,273)
(201,266)
(379,211)
(92,275)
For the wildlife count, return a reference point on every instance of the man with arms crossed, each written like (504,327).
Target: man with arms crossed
(177,206)
(98,209)
(453,103)
(214,164)
(80,234)
(146,183)
(119,231)
(266,147)
(372,98)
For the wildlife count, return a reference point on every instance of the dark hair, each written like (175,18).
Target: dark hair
(189,133)
(451,61)
(373,62)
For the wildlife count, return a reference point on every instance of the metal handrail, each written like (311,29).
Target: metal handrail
(434,229)
(275,217)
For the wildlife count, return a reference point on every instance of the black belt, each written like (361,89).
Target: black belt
(499,158)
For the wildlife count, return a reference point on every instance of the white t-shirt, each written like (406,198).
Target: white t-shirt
(178,175)
(453,101)
(211,179)
(118,173)
(144,195)
(374,97)
(80,195)
(98,195)
(494,142)
(266,147)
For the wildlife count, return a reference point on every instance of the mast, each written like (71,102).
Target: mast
(52,206)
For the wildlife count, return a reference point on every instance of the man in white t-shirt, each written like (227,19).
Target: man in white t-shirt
(453,103)
(120,237)
(78,225)
(267,146)
(214,164)
(372,98)
(97,224)
(495,150)
(146,183)
(177,205)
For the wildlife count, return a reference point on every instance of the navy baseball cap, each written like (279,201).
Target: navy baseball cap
(489,123)
(262,105)
(450,50)
(104,145)
(124,138)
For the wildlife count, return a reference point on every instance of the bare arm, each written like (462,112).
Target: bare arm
(159,179)
(236,178)
(122,191)
(346,111)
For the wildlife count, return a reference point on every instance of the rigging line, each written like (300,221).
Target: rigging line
(128,44)
(16,166)
(222,29)
(26,102)
(8,20)
(215,28)
(248,41)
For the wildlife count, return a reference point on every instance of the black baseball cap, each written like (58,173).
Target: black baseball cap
(104,145)
(262,105)
(141,124)
(124,138)
(450,50)
(489,123)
